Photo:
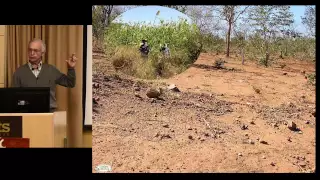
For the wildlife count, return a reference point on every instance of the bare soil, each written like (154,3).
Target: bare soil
(223,120)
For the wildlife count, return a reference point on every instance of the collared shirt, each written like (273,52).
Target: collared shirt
(35,71)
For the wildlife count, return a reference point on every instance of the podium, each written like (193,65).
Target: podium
(34,130)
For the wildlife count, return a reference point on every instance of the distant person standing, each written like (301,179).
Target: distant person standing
(35,73)
(144,49)
(165,51)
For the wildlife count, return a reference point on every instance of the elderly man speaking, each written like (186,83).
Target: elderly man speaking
(35,73)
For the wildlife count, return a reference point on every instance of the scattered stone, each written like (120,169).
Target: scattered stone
(222,94)
(239,154)
(156,135)
(136,88)
(189,127)
(289,139)
(96,85)
(137,95)
(272,164)
(246,134)
(263,141)
(302,72)
(155,115)
(172,130)
(307,122)
(299,132)
(244,127)
(250,141)
(190,137)
(206,134)
(173,87)
(165,125)
(292,126)
(239,116)
(274,125)
(165,136)
(153,93)
(263,157)
(284,73)
(302,164)
(314,113)
(202,139)
(153,100)
(251,122)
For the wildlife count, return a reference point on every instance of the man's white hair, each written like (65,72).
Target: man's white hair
(43,46)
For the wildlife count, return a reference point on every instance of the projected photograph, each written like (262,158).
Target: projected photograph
(194,89)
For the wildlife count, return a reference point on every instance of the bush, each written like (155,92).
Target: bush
(122,43)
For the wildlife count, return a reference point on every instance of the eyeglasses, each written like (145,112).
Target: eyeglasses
(34,50)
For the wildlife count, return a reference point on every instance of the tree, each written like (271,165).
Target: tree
(102,17)
(309,19)
(231,14)
(268,21)
(241,33)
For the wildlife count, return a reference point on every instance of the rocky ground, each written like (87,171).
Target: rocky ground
(238,119)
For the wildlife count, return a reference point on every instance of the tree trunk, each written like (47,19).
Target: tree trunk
(286,50)
(242,55)
(228,40)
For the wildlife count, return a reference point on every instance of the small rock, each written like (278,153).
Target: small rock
(303,97)
(166,136)
(251,122)
(189,127)
(222,94)
(153,93)
(156,135)
(292,126)
(244,127)
(302,164)
(202,139)
(263,157)
(284,73)
(274,125)
(239,154)
(289,139)
(165,125)
(137,95)
(190,137)
(250,141)
(172,130)
(136,88)
(246,134)
(173,87)
(239,116)
(300,132)
(307,122)
(263,141)
(153,100)
(314,114)
(272,164)
(206,134)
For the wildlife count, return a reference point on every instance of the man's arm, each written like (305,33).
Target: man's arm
(68,80)
(15,80)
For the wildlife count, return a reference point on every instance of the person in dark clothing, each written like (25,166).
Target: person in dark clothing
(144,48)
(35,73)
